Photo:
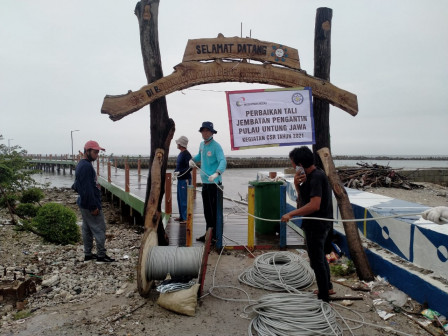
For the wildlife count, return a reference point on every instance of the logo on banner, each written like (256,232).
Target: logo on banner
(297,98)
(240,101)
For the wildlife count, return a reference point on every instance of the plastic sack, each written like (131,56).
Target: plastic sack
(395,296)
(183,301)
(429,313)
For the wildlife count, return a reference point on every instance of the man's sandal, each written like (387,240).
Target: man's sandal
(330,292)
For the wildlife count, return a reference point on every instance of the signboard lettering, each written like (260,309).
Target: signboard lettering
(278,117)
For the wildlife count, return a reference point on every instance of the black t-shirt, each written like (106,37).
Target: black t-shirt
(317,185)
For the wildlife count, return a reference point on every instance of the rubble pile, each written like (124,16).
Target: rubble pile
(63,275)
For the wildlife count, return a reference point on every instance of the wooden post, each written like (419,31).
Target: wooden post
(109,177)
(126,177)
(250,217)
(98,167)
(322,63)
(219,217)
(190,206)
(162,127)
(139,169)
(194,179)
(168,194)
(357,252)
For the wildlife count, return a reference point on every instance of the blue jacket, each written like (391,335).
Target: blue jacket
(87,187)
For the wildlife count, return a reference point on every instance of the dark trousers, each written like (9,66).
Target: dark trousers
(209,201)
(315,243)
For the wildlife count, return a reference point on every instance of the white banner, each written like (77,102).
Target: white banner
(274,117)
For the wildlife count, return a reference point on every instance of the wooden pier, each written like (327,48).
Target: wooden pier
(129,190)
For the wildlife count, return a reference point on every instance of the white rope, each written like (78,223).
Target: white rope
(323,321)
(293,314)
(327,219)
(175,260)
(279,271)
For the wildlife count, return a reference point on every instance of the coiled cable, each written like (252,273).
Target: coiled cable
(293,314)
(279,271)
(177,261)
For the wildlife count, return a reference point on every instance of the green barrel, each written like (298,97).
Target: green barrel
(267,205)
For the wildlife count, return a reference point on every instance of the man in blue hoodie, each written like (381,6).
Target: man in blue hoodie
(89,202)
(213,164)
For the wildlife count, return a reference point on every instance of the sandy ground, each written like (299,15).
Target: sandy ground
(92,299)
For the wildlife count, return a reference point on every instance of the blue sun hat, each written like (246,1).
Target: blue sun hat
(209,126)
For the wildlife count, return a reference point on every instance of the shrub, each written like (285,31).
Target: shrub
(11,198)
(32,195)
(6,173)
(57,224)
(26,210)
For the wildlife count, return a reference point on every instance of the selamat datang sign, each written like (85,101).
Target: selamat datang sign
(272,117)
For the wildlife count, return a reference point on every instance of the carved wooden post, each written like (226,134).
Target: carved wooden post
(357,252)
(162,127)
(168,195)
(322,63)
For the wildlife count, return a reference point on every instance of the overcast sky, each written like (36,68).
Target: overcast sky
(58,59)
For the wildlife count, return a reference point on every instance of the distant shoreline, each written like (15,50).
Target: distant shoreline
(335,157)
(271,161)
(414,158)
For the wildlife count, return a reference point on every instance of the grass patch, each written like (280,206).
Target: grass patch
(21,315)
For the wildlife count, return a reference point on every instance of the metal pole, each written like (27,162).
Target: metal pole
(9,145)
(71,136)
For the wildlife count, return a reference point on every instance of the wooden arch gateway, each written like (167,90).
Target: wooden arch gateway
(224,59)
(214,60)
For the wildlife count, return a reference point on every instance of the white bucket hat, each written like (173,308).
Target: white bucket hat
(183,141)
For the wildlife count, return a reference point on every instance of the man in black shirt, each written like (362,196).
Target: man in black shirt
(315,200)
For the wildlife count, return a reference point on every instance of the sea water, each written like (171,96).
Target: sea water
(236,180)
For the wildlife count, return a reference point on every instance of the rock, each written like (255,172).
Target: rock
(54,280)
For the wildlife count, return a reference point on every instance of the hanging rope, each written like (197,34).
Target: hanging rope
(416,214)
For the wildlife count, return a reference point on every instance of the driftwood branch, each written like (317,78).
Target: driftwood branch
(367,175)
(357,252)
(152,215)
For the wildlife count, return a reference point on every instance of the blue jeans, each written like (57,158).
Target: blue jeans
(93,227)
(182,197)
(315,243)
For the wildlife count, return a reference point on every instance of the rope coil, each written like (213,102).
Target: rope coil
(293,314)
(279,271)
(175,260)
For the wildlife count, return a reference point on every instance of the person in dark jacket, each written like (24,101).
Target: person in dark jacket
(183,175)
(89,202)
(315,200)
